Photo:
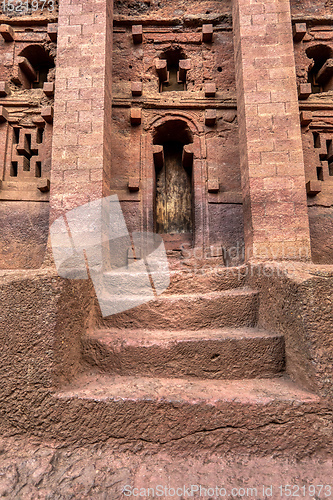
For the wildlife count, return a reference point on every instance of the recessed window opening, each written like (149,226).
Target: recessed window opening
(321,81)
(41,61)
(330,169)
(16,135)
(28,151)
(28,139)
(13,169)
(320,174)
(38,172)
(26,164)
(316,140)
(173,57)
(39,137)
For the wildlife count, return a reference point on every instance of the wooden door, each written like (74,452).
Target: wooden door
(173,192)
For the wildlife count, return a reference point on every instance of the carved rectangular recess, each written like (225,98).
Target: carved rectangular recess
(26,168)
(323,145)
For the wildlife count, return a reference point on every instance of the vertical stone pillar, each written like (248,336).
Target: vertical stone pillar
(82,109)
(272,167)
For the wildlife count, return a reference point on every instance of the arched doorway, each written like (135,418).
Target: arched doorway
(174,186)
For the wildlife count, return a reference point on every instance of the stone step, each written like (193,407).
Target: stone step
(261,415)
(237,307)
(133,283)
(209,278)
(207,354)
(200,280)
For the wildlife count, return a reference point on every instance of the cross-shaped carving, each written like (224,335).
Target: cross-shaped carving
(26,162)
(324,146)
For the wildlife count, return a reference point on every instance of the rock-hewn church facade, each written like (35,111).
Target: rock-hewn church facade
(212,122)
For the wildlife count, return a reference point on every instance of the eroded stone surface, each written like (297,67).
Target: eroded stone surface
(31,470)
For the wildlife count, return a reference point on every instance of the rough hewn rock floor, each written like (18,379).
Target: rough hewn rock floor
(31,470)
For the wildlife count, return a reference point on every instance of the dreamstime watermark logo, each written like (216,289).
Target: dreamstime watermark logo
(126,269)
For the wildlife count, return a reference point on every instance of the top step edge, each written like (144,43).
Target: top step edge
(150,336)
(219,271)
(241,291)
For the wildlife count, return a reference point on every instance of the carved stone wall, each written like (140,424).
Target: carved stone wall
(313,43)
(27,72)
(147,46)
(169,63)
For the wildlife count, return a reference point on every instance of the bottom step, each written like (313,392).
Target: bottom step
(252,416)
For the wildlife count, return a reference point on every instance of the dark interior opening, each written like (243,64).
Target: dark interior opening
(319,53)
(330,168)
(41,61)
(174,193)
(172,57)
(316,140)
(38,172)
(26,164)
(13,169)
(320,174)
(16,136)
(40,133)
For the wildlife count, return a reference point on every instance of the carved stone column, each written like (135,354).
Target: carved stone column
(272,167)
